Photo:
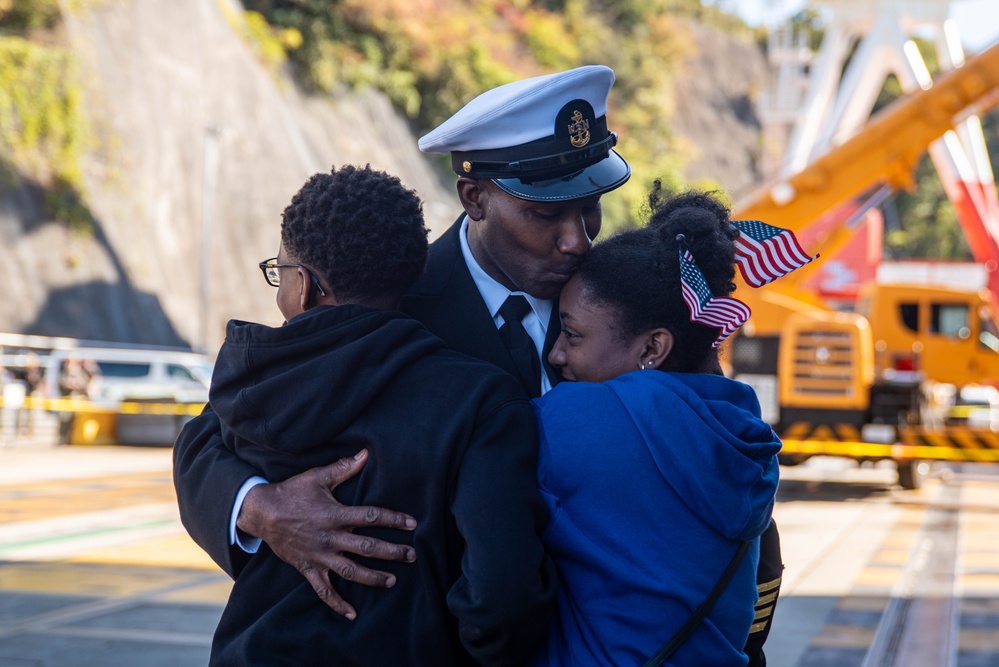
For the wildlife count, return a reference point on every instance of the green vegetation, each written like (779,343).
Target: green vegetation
(43,131)
(431,57)
(922,222)
(23,16)
(270,44)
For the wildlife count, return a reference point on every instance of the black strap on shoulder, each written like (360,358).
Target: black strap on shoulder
(681,635)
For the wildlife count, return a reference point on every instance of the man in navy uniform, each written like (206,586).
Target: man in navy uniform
(533,158)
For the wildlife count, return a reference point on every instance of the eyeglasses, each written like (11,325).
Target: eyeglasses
(269,267)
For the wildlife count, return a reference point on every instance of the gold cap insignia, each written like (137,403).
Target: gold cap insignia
(579,130)
(467,166)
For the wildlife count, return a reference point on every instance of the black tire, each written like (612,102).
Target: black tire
(911,474)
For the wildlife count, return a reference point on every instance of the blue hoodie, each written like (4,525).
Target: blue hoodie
(653,479)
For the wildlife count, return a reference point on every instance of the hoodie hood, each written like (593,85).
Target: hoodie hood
(290,387)
(709,443)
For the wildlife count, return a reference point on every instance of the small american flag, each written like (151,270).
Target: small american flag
(723,312)
(765,252)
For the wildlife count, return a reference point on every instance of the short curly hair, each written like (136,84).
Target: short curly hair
(637,272)
(360,229)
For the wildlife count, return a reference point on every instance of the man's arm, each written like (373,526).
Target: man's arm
(768,578)
(298,518)
(207,477)
(306,527)
(506,592)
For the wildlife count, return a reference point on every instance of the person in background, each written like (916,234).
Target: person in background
(655,467)
(74,378)
(30,376)
(75,381)
(451,442)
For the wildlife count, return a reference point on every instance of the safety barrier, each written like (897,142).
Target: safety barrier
(133,422)
(949,443)
(132,407)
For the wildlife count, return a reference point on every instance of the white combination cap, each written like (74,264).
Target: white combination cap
(540,139)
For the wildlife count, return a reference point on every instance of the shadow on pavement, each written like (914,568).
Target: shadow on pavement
(104,615)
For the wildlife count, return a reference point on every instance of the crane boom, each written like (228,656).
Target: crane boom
(885,151)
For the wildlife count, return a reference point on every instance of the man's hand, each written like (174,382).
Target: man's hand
(306,527)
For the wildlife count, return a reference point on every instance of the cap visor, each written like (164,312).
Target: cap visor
(610,173)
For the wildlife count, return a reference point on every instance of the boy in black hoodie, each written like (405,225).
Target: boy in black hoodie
(451,440)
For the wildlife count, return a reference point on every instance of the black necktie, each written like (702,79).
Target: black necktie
(520,344)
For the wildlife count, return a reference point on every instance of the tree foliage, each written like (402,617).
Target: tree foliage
(23,16)
(43,130)
(432,57)
(923,222)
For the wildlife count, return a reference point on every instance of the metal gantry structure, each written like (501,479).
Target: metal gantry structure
(818,101)
(869,384)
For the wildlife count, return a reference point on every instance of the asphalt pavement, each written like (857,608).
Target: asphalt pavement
(95,568)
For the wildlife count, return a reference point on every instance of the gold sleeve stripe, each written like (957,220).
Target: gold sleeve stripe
(757,627)
(769,585)
(766,599)
(762,613)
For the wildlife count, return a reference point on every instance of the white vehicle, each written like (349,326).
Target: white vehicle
(123,374)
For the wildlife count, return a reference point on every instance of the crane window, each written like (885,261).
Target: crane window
(950,320)
(989,336)
(910,315)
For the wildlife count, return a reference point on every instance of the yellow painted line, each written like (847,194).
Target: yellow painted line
(88,579)
(173,551)
(980,583)
(880,577)
(214,593)
(844,636)
(979,560)
(50,499)
(892,557)
(862,603)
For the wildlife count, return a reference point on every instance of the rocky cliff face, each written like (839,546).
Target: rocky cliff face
(159,74)
(169,85)
(716,91)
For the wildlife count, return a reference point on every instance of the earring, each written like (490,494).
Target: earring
(649,364)
(641,366)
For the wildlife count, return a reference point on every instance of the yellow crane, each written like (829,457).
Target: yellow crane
(868,385)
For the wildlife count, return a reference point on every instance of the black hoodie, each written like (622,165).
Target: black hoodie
(452,442)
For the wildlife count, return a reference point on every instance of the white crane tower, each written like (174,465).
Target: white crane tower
(815,104)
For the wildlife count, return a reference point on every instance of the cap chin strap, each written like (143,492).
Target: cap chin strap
(538,168)
(582,222)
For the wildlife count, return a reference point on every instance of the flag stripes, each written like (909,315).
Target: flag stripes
(765,253)
(722,312)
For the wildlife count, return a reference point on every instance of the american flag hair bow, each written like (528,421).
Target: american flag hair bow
(723,312)
(765,253)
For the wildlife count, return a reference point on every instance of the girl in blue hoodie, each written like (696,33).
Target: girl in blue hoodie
(655,467)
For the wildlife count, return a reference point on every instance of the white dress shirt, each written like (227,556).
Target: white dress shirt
(494,294)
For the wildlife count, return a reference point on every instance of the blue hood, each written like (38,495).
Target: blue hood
(713,417)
